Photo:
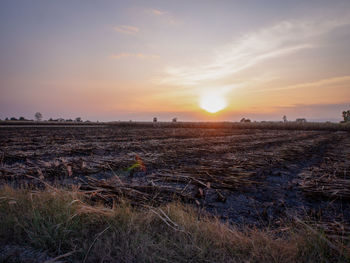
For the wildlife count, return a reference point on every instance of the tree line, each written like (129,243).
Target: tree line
(39,117)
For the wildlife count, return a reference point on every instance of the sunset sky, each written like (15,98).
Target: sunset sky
(121,60)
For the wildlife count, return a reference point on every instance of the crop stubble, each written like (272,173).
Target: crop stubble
(249,176)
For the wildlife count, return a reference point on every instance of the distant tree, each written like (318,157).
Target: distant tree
(22,119)
(284,118)
(69,120)
(50,119)
(38,116)
(174,119)
(300,120)
(245,120)
(13,119)
(6,119)
(78,119)
(346,116)
(155,119)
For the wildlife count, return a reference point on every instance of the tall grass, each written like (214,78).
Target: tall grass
(59,222)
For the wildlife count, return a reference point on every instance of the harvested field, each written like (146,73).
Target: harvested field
(257,177)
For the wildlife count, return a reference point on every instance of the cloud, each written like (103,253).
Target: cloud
(334,82)
(157,12)
(128,30)
(251,49)
(164,15)
(134,55)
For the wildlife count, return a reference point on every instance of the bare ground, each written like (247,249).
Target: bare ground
(246,176)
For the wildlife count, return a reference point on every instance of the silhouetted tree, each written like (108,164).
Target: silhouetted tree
(284,118)
(13,119)
(6,119)
(38,116)
(22,119)
(245,120)
(346,116)
(174,119)
(78,119)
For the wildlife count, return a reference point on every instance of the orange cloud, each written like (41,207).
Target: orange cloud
(134,55)
(124,29)
(157,12)
(165,16)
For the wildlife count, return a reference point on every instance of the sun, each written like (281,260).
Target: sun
(212,102)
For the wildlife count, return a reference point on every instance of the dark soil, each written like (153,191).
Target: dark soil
(246,176)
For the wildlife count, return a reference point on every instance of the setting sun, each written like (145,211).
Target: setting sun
(212,102)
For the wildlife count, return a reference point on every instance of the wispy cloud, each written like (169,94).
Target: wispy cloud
(334,82)
(164,15)
(157,12)
(278,40)
(124,29)
(134,55)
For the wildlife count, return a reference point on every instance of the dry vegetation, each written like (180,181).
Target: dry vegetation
(154,193)
(56,226)
(330,178)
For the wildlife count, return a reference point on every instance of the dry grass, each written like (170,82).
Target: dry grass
(110,217)
(66,223)
(330,179)
(328,126)
(236,125)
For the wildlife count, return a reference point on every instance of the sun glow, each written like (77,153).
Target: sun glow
(212,102)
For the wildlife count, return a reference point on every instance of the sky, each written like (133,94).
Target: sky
(134,60)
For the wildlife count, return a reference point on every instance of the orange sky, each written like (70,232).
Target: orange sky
(136,60)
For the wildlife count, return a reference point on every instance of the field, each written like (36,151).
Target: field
(245,177)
